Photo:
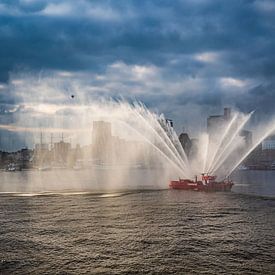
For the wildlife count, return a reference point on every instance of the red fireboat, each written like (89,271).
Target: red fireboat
(207,183)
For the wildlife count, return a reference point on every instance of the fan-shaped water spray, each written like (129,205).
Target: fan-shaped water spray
(132,136)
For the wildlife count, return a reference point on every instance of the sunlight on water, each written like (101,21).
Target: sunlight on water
(112,195)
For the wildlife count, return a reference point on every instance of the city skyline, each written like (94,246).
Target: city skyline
(30,137)
(172,57)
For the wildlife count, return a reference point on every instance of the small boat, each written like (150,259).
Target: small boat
(207,184)
(11,167)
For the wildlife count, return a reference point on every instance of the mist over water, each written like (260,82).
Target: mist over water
(124,145)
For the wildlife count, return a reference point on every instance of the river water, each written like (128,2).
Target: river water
(139,231)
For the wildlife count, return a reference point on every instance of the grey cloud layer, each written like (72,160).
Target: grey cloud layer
(77,35)
(210,44)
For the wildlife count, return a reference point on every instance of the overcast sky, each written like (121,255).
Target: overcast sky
(186,58)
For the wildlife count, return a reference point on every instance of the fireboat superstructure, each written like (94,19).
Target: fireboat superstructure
(207,183)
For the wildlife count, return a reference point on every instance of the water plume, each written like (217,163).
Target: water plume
(262,135)
(229,146)
(115,144)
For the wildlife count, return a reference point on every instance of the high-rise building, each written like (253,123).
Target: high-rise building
(186,142)
(41,154)
(102,141)
(61,151)
(247,135)
(218,121)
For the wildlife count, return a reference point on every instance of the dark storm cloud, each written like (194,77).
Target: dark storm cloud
(264,96)
(59,35)
(217,46)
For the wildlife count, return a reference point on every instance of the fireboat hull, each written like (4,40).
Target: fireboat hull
(213,186)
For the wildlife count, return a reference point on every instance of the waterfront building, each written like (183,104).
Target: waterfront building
(217,124)
(269,143)
(185,142)
(102,149)
(218,121)
(247,135)
(61,151)
(41,155)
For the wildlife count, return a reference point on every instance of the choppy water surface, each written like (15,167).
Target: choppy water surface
(156,232)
